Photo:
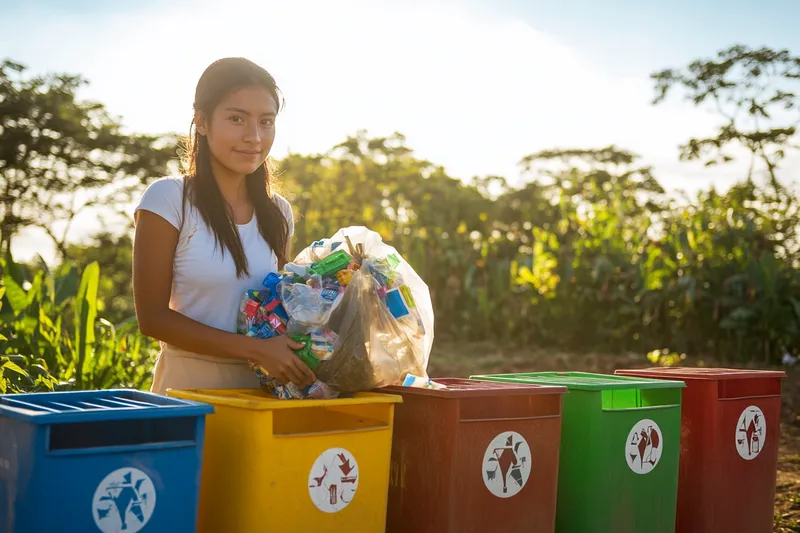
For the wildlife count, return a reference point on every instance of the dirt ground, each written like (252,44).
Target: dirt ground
(462,360)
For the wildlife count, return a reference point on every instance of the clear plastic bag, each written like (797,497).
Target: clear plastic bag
(382,318)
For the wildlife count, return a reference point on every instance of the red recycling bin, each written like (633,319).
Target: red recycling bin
(730,427)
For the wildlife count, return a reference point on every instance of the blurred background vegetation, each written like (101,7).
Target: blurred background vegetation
(588,253)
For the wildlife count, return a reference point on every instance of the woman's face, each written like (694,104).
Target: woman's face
(241,130)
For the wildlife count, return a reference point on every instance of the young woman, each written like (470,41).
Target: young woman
(204,239)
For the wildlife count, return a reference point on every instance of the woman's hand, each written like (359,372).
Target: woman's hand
(275,355)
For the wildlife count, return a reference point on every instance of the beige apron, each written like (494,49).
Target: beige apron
(179,369)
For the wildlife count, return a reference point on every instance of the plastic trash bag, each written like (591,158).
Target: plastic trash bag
(367,314)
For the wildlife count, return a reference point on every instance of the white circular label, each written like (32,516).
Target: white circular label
(644,446)
(333,480)
(124,501)
(751,433)
(506,464)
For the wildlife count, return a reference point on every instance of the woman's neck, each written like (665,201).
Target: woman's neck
(232,186)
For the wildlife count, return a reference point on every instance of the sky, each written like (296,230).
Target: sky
(474,85)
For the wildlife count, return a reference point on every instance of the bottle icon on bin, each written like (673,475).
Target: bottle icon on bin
(333,480)
(751,433)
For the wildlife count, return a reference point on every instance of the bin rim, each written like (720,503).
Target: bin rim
(587,381)
(481,388)
(96,406)
(702,373)
(258,400)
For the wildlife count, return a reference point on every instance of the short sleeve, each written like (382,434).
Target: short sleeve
(286,209)
(164,197)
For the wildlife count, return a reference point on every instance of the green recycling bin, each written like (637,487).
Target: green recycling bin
(620,444)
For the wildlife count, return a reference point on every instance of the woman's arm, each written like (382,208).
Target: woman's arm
(153,256)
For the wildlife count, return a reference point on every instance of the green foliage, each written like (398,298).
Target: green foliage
(590,254)
(115,253)
(51,337)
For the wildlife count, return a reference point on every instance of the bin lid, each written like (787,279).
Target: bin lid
(96,406)
(711,374)
(260,400)
(584,380)
(467,388)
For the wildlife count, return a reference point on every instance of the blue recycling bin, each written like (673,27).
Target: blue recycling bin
(100,461)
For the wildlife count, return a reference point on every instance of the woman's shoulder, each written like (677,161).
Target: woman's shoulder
(164,197)
(166,190)
(168,185)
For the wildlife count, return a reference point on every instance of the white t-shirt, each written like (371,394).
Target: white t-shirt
(204,283)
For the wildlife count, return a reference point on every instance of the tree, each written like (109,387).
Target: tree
(59,155)
(753,90)
(608,176)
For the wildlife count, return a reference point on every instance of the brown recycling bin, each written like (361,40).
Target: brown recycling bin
(477,457)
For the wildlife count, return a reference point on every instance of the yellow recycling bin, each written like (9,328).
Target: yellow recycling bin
(294,465)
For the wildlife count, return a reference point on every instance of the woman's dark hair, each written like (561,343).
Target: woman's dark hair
(221,78)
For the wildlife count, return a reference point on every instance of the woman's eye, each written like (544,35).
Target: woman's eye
(268,122)
(236,119)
